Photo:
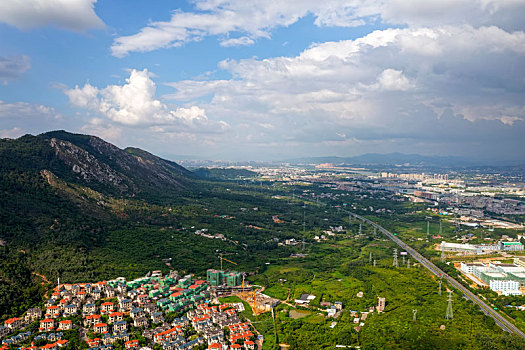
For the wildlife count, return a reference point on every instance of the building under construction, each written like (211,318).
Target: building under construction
(220,277)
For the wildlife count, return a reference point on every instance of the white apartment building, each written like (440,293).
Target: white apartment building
(507,287)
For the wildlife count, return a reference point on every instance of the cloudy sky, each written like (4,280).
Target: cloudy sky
(269,80)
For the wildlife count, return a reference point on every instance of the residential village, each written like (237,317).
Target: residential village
(168,312)
(133,313)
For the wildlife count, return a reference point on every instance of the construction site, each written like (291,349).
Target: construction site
(232,283)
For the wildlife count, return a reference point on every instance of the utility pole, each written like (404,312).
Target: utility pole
(414,313)
(394,263)
(428,229)
(450,313)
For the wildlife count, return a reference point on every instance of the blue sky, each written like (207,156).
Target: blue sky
(266,80)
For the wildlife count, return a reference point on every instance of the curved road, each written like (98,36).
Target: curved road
(505,324)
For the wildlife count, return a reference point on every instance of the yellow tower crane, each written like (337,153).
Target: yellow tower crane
(220,257)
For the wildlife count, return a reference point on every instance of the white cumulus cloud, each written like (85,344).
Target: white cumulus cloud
(75,15)
(134,104)
(448,85)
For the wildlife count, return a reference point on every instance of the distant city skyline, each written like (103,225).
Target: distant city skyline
(262,80)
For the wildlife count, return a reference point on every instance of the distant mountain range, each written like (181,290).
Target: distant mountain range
(393,159)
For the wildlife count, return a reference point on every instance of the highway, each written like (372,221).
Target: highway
(505,324)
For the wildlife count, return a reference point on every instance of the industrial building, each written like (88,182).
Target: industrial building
(471,249)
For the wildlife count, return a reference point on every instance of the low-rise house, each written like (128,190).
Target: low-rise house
(132,344)
(100,328)
(33,314)
(140,322)
(125,304)
(46,325)
(115,316)
(65,325)
(96,294)
(151,308)
(107,307)
(137,312)
(168,335)
(53,311)
(120,327)
(94,342)
(89,309)
(70,310)
(13,323)
(249,345)
(4,331)
(157,317)
(110,292)
(91,320)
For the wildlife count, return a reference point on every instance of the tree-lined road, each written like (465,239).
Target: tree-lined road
(501,321)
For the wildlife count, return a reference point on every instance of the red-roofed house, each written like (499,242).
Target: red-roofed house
(65,325)
(249,345)
(13,323)
(132,344)
(107,307)
(93,342)
(91,320)
(53,311)
(115,316)
(61,343)
(47,325)
(100,328)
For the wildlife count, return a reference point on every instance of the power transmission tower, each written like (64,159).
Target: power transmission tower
(440,287)
(374,262)
(403,263)
(414,313)
(450,313)
(370,258)
(360,229)
(394,263)
(428,229)
(408,263)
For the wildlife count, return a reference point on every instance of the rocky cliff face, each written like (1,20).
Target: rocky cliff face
(87,166)
(94,161)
